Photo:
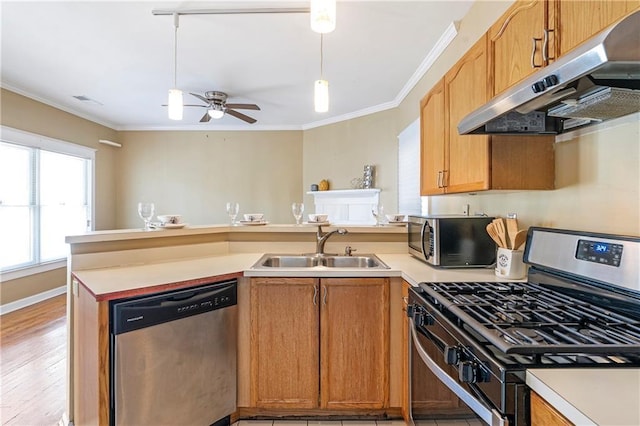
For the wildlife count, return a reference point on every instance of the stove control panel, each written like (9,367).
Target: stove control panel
(599,252)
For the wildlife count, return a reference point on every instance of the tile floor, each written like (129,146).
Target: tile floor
(462,422)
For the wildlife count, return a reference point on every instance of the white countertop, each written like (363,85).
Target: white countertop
(106,281)
(591,396)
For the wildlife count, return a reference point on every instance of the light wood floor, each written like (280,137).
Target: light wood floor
(33,370)
(33,364)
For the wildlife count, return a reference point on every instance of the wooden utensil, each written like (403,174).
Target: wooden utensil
(491,230)
(498,224)
(512,229)
(519,239)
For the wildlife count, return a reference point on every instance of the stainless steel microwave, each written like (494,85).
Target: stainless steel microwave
(452,241)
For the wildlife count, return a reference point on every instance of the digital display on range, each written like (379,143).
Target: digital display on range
(599,252)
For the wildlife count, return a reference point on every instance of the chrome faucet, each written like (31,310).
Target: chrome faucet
(322,238)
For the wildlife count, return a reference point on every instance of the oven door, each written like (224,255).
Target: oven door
(456,371)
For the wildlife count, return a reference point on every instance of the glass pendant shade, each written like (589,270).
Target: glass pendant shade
(321,95)
(175,104)
(323,16)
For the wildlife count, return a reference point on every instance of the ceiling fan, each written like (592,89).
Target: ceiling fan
(217,107)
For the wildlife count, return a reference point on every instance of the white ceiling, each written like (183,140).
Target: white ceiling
(120,55)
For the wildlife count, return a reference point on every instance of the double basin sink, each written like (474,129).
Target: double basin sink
(366,261)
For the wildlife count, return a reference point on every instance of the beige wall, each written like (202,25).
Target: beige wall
(338,152)
(196,173)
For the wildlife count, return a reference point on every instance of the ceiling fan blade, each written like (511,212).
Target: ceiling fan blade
(243,106)
(202,98)
(190,105)
(241,116)
(205,118)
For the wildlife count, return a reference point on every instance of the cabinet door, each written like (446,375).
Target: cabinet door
(544,414)
(284,342)
(354,351)
(432,141)
(511,43)
(466,88)
(580,20)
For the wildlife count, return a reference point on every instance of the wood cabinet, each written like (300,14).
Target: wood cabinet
(578,20)
(432,147)
(454,163)
(516,42)
(465,89)
(284,342)
(532,33)
(543,414)
(320,343)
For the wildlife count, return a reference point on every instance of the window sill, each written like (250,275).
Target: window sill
(32,270)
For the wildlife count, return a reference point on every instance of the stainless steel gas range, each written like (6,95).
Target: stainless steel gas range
(579,308)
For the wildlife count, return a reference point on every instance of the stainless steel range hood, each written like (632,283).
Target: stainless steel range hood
(597,81)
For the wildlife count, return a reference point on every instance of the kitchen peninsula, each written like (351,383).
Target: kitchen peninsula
(118,264)
(114,265)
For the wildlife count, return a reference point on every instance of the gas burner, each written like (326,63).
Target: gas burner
(518,335)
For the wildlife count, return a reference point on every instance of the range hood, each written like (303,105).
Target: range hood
(596,81)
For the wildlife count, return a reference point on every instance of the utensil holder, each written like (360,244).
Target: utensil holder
(509,264)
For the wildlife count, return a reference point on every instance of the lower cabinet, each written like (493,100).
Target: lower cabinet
(543,414)
(320,343)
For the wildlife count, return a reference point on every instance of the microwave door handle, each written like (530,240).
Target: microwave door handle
(425,253)
(492,417)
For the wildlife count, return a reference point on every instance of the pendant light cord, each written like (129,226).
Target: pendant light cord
(176,18)
(321,55)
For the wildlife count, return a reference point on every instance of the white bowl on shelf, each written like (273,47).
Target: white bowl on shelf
(318,218)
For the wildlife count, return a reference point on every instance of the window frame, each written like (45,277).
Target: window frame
(26,139)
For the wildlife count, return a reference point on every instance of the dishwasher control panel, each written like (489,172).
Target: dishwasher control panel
(133,314)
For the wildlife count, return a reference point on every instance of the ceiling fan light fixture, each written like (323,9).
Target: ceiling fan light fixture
(323,16)
(321,95)
(215,112)
(175,104)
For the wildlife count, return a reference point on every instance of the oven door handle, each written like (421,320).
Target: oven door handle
(490,416)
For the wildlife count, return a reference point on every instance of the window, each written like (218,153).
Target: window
(409,200)
(45,194)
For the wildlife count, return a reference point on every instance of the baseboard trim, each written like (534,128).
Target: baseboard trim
(32,300)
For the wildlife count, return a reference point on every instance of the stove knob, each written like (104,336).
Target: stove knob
(469,372)
(410,309)
(451,355)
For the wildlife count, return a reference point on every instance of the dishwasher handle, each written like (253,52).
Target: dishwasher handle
(133,314)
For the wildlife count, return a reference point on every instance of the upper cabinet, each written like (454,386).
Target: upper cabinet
(432,146)
(454,163)
(465,89)
(520,42)
(579,20)
(532,33)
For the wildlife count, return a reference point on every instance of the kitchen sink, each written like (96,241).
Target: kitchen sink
(369,261)
(288,261)
(365,261)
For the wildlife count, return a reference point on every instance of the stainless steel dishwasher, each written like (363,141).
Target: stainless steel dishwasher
(173,357)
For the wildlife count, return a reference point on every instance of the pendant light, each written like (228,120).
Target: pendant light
(321,88)
(323,16)
(175,95)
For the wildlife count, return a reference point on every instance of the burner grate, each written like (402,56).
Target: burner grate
(529,318)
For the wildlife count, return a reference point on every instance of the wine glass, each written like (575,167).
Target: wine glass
(232,211)
(146,211)
(297,209)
